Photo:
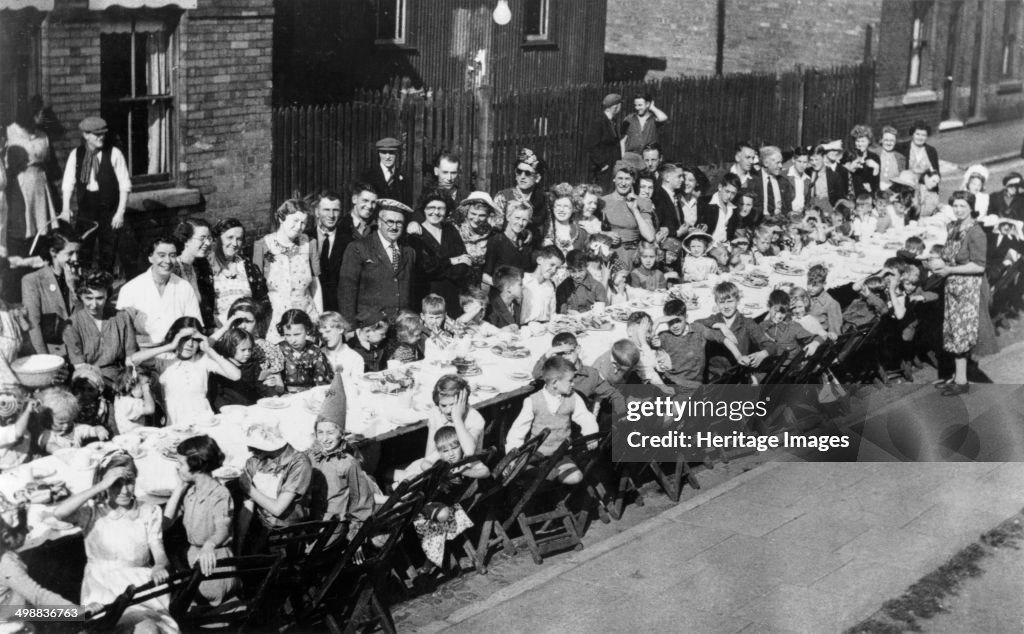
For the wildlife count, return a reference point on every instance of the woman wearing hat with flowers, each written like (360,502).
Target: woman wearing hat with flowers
(529,173)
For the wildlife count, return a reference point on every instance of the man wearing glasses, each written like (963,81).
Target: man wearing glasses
(376,271)
(384,176)
(97,175)
(529,172)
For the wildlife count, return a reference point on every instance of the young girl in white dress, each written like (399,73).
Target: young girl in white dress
(185,362)
(124,543)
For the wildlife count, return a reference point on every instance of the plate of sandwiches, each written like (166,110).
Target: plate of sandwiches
(788,269)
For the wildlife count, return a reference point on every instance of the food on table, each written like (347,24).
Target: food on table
(521,376)
(273,402)
(508,351)
(788,269)
(619,313)
(391,381)
(45,492)
(40,471)
(689,298)
(55,524)
(485,389)
(751,279)
(596,322)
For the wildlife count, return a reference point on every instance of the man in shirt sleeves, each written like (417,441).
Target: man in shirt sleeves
(96,175)
(157,297)
(377,271)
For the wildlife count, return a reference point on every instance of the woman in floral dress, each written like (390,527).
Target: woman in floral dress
(966,325)
(287,260)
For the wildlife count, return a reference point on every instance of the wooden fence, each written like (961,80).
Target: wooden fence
(328,146)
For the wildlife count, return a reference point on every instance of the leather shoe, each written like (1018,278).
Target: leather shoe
(942,383)
(956,389)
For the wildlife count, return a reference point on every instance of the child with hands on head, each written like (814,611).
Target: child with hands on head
(133,400)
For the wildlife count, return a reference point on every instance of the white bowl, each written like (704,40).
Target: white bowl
(37,370)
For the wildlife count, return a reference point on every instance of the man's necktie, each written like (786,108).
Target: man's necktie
(770,196)
(394,257)
(325,253)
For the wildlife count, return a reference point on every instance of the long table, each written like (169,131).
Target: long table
(381,417)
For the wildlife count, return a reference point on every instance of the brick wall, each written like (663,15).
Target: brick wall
(223,99)
(760,36)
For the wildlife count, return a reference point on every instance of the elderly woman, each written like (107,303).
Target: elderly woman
(629,217)
(564,230)
(48,294)
(288,262)
(966,324)
(234,275)
(196,239)
(514,245)
(864,166)
(97,334)
(445,267)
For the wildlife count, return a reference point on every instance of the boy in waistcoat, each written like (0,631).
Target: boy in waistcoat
(554,407)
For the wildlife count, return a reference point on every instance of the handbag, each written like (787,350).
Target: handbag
(831,390)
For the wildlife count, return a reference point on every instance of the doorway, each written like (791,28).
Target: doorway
(950,118)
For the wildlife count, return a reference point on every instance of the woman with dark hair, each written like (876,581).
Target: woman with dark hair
(864,165)
(289,264)
(98,334)
(31,207)
(234,275)
(966,324)
(124,543)
(207,512)
(445,266)
(49,295)
(247,315)
(626,215)
(196,239)
(185,361)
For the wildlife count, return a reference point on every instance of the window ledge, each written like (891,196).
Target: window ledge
(1009,87)
(540,44)
(919,96)
(161,199)
(391,45)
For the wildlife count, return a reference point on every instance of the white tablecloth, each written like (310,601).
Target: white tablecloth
(372,415)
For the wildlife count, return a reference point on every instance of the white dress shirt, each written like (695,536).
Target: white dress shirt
(117,162)
(156,311)
(538,300)
(523,423)
(724,213)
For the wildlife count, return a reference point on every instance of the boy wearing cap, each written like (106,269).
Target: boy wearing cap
(384,176)
(579,291)
(1009,203)
(97,176)
(275,482)
(603,148)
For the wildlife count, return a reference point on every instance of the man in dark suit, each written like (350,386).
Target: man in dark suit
(1001,241)
(714,211)
(825,186)
(666,201)
(360,221)
(603,147)
(1009,201)
(920,156)
(773,194)
(384,176)
(323,236)
(377,271)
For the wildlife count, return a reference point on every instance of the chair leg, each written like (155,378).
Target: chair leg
(383,614)
(531,543)
(684,475)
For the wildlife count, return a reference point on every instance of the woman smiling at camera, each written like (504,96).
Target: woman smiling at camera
(98,334)
(234,275)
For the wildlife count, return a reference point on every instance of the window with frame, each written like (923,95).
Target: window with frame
(391,21)
(919,43)
(137,90)
(537,25)
(1008,66)
(19,71)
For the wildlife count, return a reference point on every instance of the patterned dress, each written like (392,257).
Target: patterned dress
(290,280)
(963,317)
(305,368)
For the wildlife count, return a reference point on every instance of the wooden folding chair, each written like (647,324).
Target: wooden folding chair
(349,597)
(546,528)
(589,458)
(303,549)
(105,620)
(257,606)
(485,508)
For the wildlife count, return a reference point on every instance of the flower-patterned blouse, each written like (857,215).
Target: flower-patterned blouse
(305,368)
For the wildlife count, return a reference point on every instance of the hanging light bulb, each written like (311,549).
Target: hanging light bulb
(502,14)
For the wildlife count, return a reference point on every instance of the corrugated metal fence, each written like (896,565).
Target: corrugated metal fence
(328,146)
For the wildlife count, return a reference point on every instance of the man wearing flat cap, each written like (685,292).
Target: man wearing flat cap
(603,147)
(97,176)
(377,271)
(387,181)
(1009,202)
(529,172)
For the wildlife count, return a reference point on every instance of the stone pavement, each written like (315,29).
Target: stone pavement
(787,547)
(987,143)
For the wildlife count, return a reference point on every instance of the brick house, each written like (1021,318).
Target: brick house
(949,62)
(185,86)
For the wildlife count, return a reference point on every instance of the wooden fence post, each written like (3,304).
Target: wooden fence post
(484,138)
